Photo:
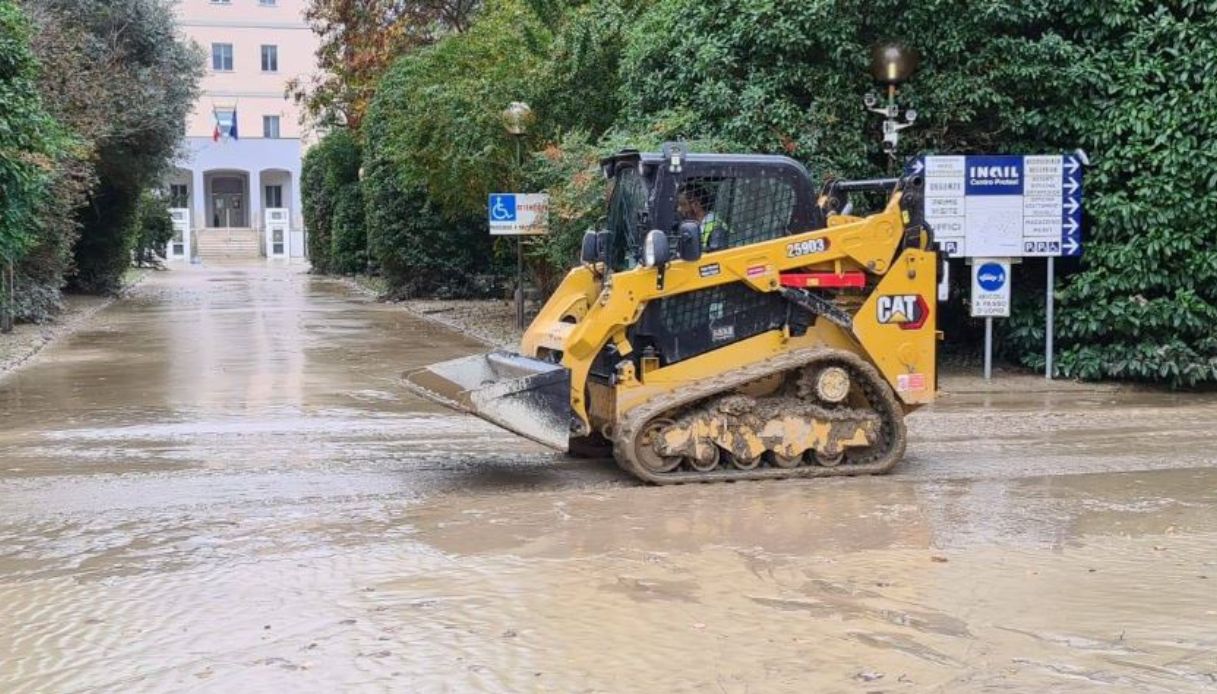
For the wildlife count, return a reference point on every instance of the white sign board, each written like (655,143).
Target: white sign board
(518,214)
(991,288)
(179,245)
(1001,205)
(276,232)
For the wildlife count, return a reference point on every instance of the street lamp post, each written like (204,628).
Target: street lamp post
(516,119)
(891,64)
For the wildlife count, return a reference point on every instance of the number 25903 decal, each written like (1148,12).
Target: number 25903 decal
(801,248)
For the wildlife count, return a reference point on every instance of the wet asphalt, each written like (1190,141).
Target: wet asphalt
(221,485)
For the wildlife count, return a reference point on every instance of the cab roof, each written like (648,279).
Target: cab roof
(609,164)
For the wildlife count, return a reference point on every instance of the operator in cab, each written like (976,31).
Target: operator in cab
(696,203)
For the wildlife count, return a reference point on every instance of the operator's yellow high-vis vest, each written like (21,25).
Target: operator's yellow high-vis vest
(708,224)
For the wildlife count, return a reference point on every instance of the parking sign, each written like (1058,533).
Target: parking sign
(517,214)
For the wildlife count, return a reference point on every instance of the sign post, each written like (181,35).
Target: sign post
(1006,206)
(519,215)
(1049,317)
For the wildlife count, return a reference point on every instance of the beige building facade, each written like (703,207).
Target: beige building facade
(235,189)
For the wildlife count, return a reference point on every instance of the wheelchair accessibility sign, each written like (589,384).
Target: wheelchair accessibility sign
(516,214)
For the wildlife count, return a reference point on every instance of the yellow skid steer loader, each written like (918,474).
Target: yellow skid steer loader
(727,323)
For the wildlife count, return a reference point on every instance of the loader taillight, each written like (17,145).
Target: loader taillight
(853,279)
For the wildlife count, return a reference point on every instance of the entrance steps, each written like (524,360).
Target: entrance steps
(228,245)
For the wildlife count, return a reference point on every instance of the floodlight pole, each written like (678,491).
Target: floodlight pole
(891,65)
(516,119)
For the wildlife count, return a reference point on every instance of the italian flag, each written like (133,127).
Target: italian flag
(232,132)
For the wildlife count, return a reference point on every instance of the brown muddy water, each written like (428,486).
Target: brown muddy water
(221,486)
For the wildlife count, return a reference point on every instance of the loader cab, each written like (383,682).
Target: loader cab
(734,200)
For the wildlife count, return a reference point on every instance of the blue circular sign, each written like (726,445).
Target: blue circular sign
(991,277)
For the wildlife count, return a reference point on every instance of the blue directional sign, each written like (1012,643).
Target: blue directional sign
(1071,208)
(1003,205)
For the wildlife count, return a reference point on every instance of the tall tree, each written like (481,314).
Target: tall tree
(359,40)
(124,81)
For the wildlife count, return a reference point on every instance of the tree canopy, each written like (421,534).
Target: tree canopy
(95,96)
(30,139)
(359,41)
(1128,81)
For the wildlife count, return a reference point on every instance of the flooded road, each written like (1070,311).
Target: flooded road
(220,485)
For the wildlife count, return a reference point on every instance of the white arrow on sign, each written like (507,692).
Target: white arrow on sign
(918,166)
(1072,205)
(1072,164)
(1072,186)
(1070,246)
(1071,225)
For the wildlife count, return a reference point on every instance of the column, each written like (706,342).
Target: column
(198,195)
(253,184)
(296,213)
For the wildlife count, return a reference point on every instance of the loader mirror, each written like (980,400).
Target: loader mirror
(690,241)
(590,251)
(655,251)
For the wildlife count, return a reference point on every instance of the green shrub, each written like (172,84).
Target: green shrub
(441,106)
(1144,305)
(416,249)
(329,170)
(316,208)
(435,147)
(108,228)
(153,228)
(349,245)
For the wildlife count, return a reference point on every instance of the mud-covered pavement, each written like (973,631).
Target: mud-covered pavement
(221,486)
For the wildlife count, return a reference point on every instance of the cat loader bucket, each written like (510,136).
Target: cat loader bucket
(524,395)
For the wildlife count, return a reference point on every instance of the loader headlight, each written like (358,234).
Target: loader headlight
(655,250)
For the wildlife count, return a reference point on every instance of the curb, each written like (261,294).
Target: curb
(455,326)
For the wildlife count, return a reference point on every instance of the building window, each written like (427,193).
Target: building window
(221,57)
(270,127)
(268,3)
(178,196)
(274,196)
(221,2)
(270,59)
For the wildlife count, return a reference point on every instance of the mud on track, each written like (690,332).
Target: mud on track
(220,486)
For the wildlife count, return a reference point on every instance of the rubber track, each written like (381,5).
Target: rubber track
(876,389)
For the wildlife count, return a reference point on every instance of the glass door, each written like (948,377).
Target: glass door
(228,210)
